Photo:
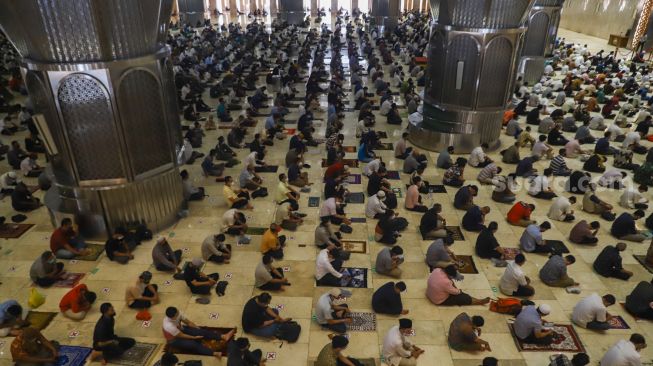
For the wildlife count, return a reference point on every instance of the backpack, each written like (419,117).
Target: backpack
(506,305)
(289,331)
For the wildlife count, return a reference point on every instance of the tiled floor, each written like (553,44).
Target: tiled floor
(431,322)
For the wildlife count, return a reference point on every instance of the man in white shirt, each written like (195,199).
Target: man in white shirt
(375,206)
(634,198)
(372,167)
(385,107)
(188,338)
(327,269)
(514,282)
(592,313)
(539,187)
(329,211)
(612,178)
(561,209)
(477,157)
(632,138)
(397,350)
(29,167)
(625,352)
(331,312)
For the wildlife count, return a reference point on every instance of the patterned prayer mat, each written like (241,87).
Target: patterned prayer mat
(40,319)
(510,253)
(215,345)
(349,149)
(353,179)
(456,233)
(72,356)
(13,231)
(558,246)
(356,197)
(382,134)
(617,322)
(96,251)
(267,169)
(566,340)
(437,188)
(467,264)
(393,175)
(255,230)
(69,281)
(642,260)
(362,322)
(397,191)
(357,278)
(139,355)
(313,201)
(352,163)
(354,246)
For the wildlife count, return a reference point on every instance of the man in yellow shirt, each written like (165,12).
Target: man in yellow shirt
(272,243)
(235,198)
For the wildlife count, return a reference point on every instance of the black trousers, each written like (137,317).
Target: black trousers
(116,350)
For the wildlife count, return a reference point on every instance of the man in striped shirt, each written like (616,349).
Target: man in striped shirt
(487,173)
(559,166)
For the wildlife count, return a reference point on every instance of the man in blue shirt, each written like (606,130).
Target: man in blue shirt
(603,145)
(474,218)
(528,325)
(624,228)
(531,240)
(11,318)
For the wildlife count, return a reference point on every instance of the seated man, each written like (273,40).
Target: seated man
(438,254)
(331,312)
(328,266)
(558,165)
(465,332)
(76,303)
(593,204)
(251,182)
(65,243)
(31,348)
(625,352)
(387,299)
(22,199)
(584,233)
(539,186)
(511,154)
(106,344)
(474,218)
(624,227)
(209,168)
(520,214)
(591,312)
(454,175)
(164,257)
(561,209)
(487,174)
(45,270)
(529,326)
(375,206)
(397,349)
(260,319)
(268,278)
(185,336)
(513,281)
(388,261)
(488,247)
(502,190)
(11,319)
(142,294)
(118,250)
(432,224)
(609,263)
(554,271)
(286,215)
(238,353)
(441,290)
(640,301)
(272,243)
(413,198)
(215,250)
(464,198)
(478,158)
(331,354)
(235,198)
(444,158)
(531,240)
(198,282)
(235,223)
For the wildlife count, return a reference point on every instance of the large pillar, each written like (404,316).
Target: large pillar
(354,4)
(100,76)
(291,11)
(192,11)
(386,13)
(273,7)
(543,22)
(314,6)
(233,8)
(213,5)
(472,64)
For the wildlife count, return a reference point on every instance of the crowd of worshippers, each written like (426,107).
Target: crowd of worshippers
(227,62)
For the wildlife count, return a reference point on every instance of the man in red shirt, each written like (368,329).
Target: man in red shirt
(520,214)
(65,243)
(76,303)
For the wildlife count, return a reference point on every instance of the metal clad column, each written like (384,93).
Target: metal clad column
(543,22)
(291,11)
(472,64)
(105,89)
(386,14)
(191,11)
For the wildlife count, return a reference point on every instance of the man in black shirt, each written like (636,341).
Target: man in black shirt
(196,280)
(106,344)
(238,353)
(261,320)
(639,301)
(118,250)
(608,262)
(387,299)
(431,226)
(487,245)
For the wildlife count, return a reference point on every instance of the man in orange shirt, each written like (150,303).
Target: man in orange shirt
(77,302)
(520,214)
(65,243)
(272,243)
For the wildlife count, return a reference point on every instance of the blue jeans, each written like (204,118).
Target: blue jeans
(268,331)
(77,243)
(194,346)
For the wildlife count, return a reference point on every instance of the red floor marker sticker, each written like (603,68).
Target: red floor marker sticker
(411,333)
(286,269)
(73,261)
(228,276)
(213,316)
(279,307)
(270,356)
(106,290)
(146,324)
(167,283)
(73,334)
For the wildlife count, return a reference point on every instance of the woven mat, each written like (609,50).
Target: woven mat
(267,169)
(617,322)
(70,281)
(642,260)
(393,175)
(255,230)
(384,146)
(356,197)
(558,246)
(354,246)
(510,253)
(468,266)
(313,201)
(352,163)
(566,341)
(96,251)
(40,319)
(357,279)
(362,322)
(139,355)
(13,231)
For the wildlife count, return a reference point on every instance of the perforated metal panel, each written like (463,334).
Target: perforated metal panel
(463,48)
(495,74)
(466,13)
(506,13)
(436,70)
(493,14)
(87,116)
(172,110)
(141,112)
(538,28)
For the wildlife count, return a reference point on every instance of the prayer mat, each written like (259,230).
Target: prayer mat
(348,109)
(617,322)
(357,278)
(362,322)
(382,134)
(226,127)
(397,191)
(566,340)
(456,234)
(384,146)
(353,179)
(510,253)
(349,149)
(267,169)
(354,246)
(313,201)
(356,197)
(139,355)
(255,230)
(557,246)
(466,264)
(32,189)
(214,345)
(642,260)
(393,174)
(352,163)
(70,281)
(359,220)
(13,231)
(437,188)
(96,251)
(72,356)
(40,319)
(289,131)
